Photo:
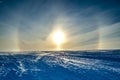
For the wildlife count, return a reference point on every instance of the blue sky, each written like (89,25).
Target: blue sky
(87,24)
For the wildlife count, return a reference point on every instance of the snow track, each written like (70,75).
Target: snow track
(64,65)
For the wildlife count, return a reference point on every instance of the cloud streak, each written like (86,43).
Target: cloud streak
(27,25)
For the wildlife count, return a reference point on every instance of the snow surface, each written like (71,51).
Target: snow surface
(61,65)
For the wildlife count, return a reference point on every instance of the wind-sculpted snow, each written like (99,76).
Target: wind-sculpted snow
(60,65)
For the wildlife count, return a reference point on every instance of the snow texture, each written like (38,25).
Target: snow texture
(60,65)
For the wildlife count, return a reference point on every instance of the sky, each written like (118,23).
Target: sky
(27,25)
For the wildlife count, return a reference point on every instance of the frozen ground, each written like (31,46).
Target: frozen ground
(62,65)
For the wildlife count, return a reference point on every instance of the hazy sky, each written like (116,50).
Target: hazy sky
(87,24)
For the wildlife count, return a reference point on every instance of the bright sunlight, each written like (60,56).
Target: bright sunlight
(58,38)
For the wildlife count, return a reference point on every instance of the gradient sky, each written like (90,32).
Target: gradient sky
(26,25)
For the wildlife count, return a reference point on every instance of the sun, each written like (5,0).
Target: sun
(58,38)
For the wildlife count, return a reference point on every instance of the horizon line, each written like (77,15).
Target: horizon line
(60,50)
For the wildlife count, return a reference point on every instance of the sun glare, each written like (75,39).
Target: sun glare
(58,38)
